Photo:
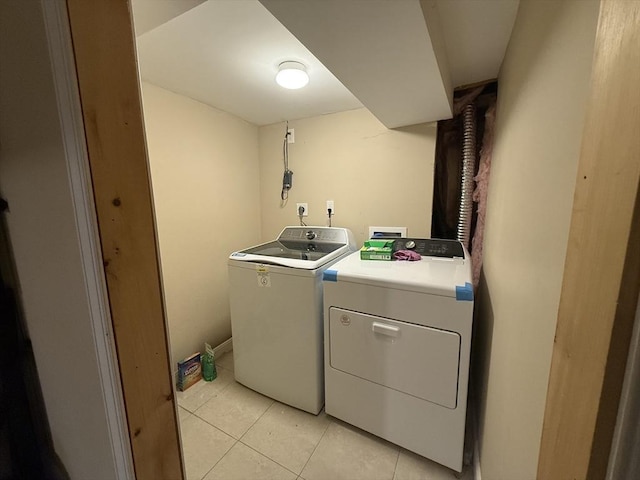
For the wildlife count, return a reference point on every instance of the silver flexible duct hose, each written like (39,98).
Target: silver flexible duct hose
(468,169)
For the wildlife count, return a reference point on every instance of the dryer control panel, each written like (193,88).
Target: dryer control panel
(431,247)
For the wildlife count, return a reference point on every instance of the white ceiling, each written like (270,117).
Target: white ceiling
(149,14)
(386,53)
(476,34)
(400,58)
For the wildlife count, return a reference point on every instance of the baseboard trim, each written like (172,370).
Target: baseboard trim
(477,473)
(224,347)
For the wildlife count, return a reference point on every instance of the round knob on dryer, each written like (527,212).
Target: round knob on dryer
(311,235)
(410,244)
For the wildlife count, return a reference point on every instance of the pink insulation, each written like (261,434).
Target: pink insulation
(480,192)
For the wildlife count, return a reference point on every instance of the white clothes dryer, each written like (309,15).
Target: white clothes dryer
(275,296)
(397,347)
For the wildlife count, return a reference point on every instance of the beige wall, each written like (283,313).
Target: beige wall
(204,169)
(543,87)
(216,183)
(375,176)
(44,237)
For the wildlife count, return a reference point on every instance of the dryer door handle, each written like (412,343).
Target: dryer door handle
(385,329)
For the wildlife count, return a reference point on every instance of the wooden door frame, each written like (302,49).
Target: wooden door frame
(602,268)
(107,77)
(594,312)
(56,24)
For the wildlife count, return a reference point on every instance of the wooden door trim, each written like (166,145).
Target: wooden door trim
(68,100)
(601,276)
(106,66)
(592,312)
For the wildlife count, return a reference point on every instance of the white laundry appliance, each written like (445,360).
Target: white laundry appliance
(397,346)
(275,292)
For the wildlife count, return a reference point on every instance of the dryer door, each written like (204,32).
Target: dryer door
(413,359)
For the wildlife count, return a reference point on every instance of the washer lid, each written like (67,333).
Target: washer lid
(437,276)
(300,247)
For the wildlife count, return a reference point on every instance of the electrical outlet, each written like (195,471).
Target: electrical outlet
(332,206)
(291,138)
(305,209)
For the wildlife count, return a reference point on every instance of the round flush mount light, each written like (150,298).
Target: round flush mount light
(292,75)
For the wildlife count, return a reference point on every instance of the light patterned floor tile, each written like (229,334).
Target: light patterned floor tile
(203,446)
(183,414)
(287,435)
(348,453)
(243,463)
(414,467)
(280,440)
(235,409)
(196,396)
(225,360)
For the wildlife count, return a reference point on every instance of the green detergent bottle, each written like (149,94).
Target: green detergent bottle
(209,372)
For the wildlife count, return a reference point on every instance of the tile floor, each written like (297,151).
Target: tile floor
(230,432)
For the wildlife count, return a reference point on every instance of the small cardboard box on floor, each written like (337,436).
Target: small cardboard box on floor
(189,371)
(377,250)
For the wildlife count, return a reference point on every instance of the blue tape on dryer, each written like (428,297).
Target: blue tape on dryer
(464,293)
(330,276)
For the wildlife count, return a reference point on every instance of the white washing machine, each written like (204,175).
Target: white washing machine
(275,292)
(397,346)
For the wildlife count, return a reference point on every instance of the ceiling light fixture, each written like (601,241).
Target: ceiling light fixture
(292,75)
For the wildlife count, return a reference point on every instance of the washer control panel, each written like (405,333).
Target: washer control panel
(318,234)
